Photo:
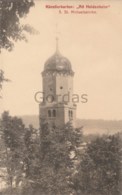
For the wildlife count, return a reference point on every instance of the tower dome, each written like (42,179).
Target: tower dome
(58,63)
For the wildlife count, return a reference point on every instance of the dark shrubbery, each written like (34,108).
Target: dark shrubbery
(56,163)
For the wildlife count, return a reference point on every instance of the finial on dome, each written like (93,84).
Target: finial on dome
(57,45)
(57,39)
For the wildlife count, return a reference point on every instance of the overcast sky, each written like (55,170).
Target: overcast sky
(93,44)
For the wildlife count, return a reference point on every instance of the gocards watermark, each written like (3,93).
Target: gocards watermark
(41,97)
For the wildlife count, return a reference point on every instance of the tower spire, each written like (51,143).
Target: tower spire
(57,45)
(57,39)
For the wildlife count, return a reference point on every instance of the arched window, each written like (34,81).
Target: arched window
(49,113)
(54,113)
(70,114)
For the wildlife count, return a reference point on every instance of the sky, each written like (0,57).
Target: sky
(92,43)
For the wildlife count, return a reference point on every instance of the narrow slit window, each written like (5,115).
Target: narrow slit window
(69,113)
(54,113)
(49,113)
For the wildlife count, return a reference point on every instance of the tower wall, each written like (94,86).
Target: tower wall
(57,109)
(62,116)
(49,86)
(64,87)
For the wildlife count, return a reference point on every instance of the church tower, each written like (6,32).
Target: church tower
(57,107)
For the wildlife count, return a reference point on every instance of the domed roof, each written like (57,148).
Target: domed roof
(58,63)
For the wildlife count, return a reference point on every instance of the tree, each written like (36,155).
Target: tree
(2,79)
(99,172)
(10,28)
(31,150)
(12,131)
(52,172)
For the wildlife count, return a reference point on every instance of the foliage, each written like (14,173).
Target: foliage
(2,79)
(54,166)
(31,151)
(99,172)
(10,28)
(12,132)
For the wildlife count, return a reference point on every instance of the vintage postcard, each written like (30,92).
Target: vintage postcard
(60,97)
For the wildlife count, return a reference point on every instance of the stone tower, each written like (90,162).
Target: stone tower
(57,107)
